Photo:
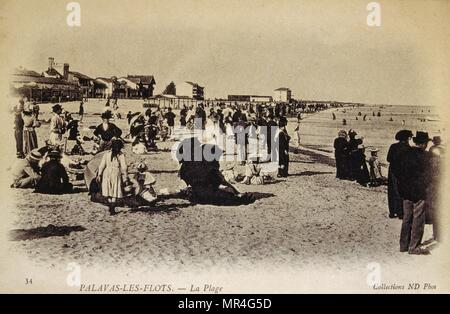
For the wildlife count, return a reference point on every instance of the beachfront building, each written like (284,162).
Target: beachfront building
(282,94)
(103,87)
(191,90)
(85,82)
(42,88)
(144,85)
(250,98)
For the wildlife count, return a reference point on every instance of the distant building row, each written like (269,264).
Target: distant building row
(65,85)
(281,94)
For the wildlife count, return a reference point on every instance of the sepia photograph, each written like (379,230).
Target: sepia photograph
(223,147)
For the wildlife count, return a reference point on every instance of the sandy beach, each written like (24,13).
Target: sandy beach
(307,221)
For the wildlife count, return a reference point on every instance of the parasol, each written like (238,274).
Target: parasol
(90,172)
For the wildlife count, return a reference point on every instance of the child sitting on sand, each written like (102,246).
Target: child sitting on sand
(143,182)
(376,177)
(253,174)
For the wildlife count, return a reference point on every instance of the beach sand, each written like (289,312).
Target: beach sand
(308,221)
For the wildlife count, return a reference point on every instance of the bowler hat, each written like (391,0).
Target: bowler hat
(421,137)
(403,135)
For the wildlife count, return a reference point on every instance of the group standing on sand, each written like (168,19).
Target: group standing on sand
(413,180)
(415,173)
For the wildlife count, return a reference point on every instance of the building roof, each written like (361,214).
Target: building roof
(107,80)
(80,75)
(282,89)
(193,84)
(42,82)
(142,79)
(53,72)
(25,72)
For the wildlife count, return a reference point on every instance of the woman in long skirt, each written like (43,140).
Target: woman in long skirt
(112,173)
(30,140)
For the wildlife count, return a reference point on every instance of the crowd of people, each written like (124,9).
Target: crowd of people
(413,179)
(259,136)
(352,162)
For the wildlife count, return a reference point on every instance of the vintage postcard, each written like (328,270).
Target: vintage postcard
(221,147)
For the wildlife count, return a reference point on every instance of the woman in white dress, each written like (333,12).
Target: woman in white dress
(112,173)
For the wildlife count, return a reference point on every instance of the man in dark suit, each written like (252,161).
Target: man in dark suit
(396,150)
(54,179)
(413,181)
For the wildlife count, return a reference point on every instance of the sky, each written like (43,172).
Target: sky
(322,50)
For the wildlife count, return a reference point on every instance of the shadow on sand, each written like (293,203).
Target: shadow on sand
(309,173)
(161,208)
(43,232)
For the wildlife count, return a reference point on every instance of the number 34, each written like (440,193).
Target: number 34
(28,281)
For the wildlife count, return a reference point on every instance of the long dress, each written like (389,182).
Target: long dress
(355,160)
(283,152)
(113,172)
(30,140)
(341,156)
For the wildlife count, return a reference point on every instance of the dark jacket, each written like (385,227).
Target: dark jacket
(414,174)
(107,135)
(54,179)
(394,154)
(340,146)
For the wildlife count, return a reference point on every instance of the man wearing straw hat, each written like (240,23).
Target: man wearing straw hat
(26,172)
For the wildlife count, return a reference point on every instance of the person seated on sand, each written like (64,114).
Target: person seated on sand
(143,182)
(207,183)
(75,138)
(106,131)
(54,179)
(376,176)
(253,174)
(139,146)
(26,172)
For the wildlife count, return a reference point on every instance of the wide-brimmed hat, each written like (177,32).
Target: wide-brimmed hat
(54,154)
(107,115)
(403,135)
(35,155)
(421,137)
(374,150)
(342,133)
(56,107)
